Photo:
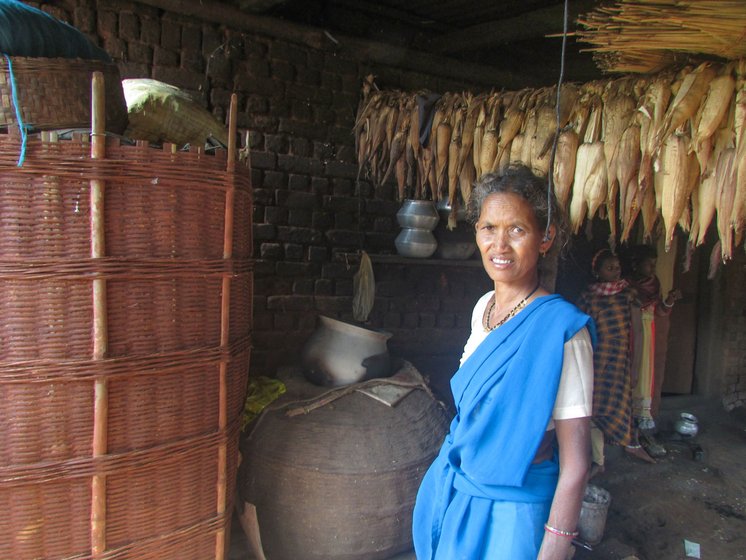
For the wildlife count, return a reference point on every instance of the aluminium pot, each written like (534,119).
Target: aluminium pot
(341,353)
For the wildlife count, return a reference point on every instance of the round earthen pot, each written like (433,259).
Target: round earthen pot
(340,353)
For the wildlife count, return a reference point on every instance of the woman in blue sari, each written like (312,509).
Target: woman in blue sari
(509,480)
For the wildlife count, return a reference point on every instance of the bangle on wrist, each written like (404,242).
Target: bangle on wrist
(559,532)
(668,305)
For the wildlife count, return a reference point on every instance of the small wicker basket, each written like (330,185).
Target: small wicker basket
(55,93)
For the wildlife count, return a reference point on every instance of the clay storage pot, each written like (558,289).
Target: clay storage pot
(339,353)
(339,482)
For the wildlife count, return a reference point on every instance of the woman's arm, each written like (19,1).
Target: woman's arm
(573,436)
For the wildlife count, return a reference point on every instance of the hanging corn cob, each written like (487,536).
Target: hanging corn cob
(738,214)
(711,112)
(510,125)
(623,146)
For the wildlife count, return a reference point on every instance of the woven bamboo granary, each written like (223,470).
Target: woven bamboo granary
(125,292)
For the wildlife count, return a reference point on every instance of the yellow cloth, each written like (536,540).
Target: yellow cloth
(643,391)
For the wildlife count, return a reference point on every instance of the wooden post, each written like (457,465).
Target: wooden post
(222,498)
(100,333)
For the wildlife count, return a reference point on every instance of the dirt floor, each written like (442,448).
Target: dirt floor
(697,493)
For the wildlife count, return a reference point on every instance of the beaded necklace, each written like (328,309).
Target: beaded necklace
(521,304)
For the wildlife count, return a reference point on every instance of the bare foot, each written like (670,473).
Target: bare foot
(596,469)
(640,453)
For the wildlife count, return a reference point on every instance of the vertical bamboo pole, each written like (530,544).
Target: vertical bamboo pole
(100,334)
(220,539)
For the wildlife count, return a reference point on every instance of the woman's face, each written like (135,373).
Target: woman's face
(646,268)
(510,238)
(610,270)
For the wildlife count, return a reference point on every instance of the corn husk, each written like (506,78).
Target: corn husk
(627,168)
(738,215)
(510,125)
(516,148)
(466,182)
(489,140)
(649,213)
(673,178)
(546,127)
(713,109)
(474,104)
(726,191)
(564,165)
(589,184)
(529,128)
(652,108)
(618,112)
(476,150)
(692,90)
(454,150)
(706,197)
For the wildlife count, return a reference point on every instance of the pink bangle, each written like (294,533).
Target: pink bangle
(560,532)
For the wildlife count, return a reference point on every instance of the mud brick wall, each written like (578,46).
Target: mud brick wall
(734,333)
(311,216)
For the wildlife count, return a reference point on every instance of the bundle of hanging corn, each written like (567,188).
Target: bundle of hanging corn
(650,35)
(669,148)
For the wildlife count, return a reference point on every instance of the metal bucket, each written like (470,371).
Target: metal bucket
(593,513)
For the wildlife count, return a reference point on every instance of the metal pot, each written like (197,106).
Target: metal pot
(415,242)
(419,214)
(687,425)
(340,353)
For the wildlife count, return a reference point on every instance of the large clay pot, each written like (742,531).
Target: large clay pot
(339,481)
(340,353)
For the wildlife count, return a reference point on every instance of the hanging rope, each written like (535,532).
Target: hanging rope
(550,182)
(17,109)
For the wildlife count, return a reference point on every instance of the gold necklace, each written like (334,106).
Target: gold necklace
(521,304)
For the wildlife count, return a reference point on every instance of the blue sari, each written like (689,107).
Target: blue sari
(482,497)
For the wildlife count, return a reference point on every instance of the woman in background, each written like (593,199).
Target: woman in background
(611,304)
(647,286)
(510,477)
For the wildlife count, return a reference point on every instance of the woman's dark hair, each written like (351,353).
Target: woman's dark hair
(520,180)
(643,252)
(600,258)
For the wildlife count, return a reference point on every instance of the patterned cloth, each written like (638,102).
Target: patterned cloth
(612,388)
(608,288)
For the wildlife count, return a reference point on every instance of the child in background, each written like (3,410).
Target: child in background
(611,303)
(647,286)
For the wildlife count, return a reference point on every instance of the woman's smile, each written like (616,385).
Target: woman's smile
(509,238)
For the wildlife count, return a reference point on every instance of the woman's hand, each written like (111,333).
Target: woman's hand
(673,297)
(574,437)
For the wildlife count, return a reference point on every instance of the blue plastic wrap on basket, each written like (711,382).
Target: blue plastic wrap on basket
(27,31)
(262,392)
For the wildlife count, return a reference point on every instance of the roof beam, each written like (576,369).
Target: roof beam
(363,50)
(529,25)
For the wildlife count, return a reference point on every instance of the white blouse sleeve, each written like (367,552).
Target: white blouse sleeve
(575,394)
(478,334)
